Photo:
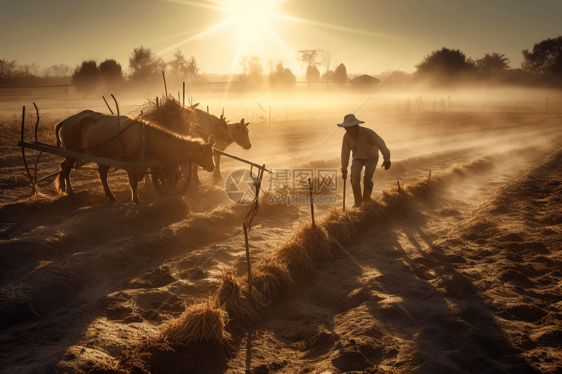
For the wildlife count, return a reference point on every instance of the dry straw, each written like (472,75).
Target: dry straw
(171,115)
(309,245)
(270,276)
(234,296)
(199,323)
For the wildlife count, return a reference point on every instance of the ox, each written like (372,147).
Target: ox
(225,134)
(95,134)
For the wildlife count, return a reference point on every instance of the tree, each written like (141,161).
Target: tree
(142,64)
(178,65)
(192,69)
(340,74)
(307,57)
(445,63)
(57,71)
(244,63)
(255,70)
(312,74)
(28,70)
(111,71)
(7,69)
(546,57)
(327,64)
(492,64)
(282,76)
(87,76)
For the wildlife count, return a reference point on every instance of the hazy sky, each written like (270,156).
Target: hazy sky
(368,36)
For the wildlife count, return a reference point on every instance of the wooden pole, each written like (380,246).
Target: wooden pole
(156,102)
(118,129)
(207,109)
(108,107)
(183,93)
(344,184)
(311,202)
(23,151)
(36,124)
(398,185)
(248,257)
(165,86)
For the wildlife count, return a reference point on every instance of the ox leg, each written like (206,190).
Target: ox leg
(217,177)
(103,170)
(133,182)
(68,165)
(195,175)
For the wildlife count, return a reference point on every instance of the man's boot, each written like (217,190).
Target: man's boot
(367,193)
(357,195)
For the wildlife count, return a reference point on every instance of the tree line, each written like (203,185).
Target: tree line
(541,66)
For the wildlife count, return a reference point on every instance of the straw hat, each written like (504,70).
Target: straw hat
(350,120)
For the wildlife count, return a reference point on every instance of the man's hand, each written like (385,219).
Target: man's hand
(344,174)
(386,164)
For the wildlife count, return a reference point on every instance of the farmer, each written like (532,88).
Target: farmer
(364,145)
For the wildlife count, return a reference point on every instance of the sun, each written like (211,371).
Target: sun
(250,19)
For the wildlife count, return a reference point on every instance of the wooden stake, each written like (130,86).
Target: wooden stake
(398,185)
(165,86)
(344,183)
(157,103)
(119,129)
(311,202)
(108,107)
(248,257)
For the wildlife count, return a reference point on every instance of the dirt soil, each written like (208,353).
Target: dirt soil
(465,280)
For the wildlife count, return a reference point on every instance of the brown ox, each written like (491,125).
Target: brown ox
(95,134)
(224,133)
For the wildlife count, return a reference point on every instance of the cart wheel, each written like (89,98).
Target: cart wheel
(171,180)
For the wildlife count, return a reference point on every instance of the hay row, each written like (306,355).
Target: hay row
(309,246)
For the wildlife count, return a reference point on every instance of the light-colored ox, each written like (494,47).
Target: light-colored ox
(225,134)
(95,134)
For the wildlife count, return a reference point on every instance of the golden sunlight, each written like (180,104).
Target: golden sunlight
(251,19)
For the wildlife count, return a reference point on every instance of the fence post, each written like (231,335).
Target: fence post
(248,257)
(311,202)
(398,185)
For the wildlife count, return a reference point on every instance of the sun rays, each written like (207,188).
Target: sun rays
(251,26)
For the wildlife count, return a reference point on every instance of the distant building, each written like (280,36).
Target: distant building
(365,81)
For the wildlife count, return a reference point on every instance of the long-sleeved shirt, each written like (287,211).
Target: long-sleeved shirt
(366,145)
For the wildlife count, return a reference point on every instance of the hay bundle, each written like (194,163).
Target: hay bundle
(340,225)
(171,115)
(295,256)
(315,240)
(236,298)
(271,275)
(199,323)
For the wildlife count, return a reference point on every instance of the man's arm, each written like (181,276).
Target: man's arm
(380,144)
(345,150)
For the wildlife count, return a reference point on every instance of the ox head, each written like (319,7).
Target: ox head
(204,155)
(239,131)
